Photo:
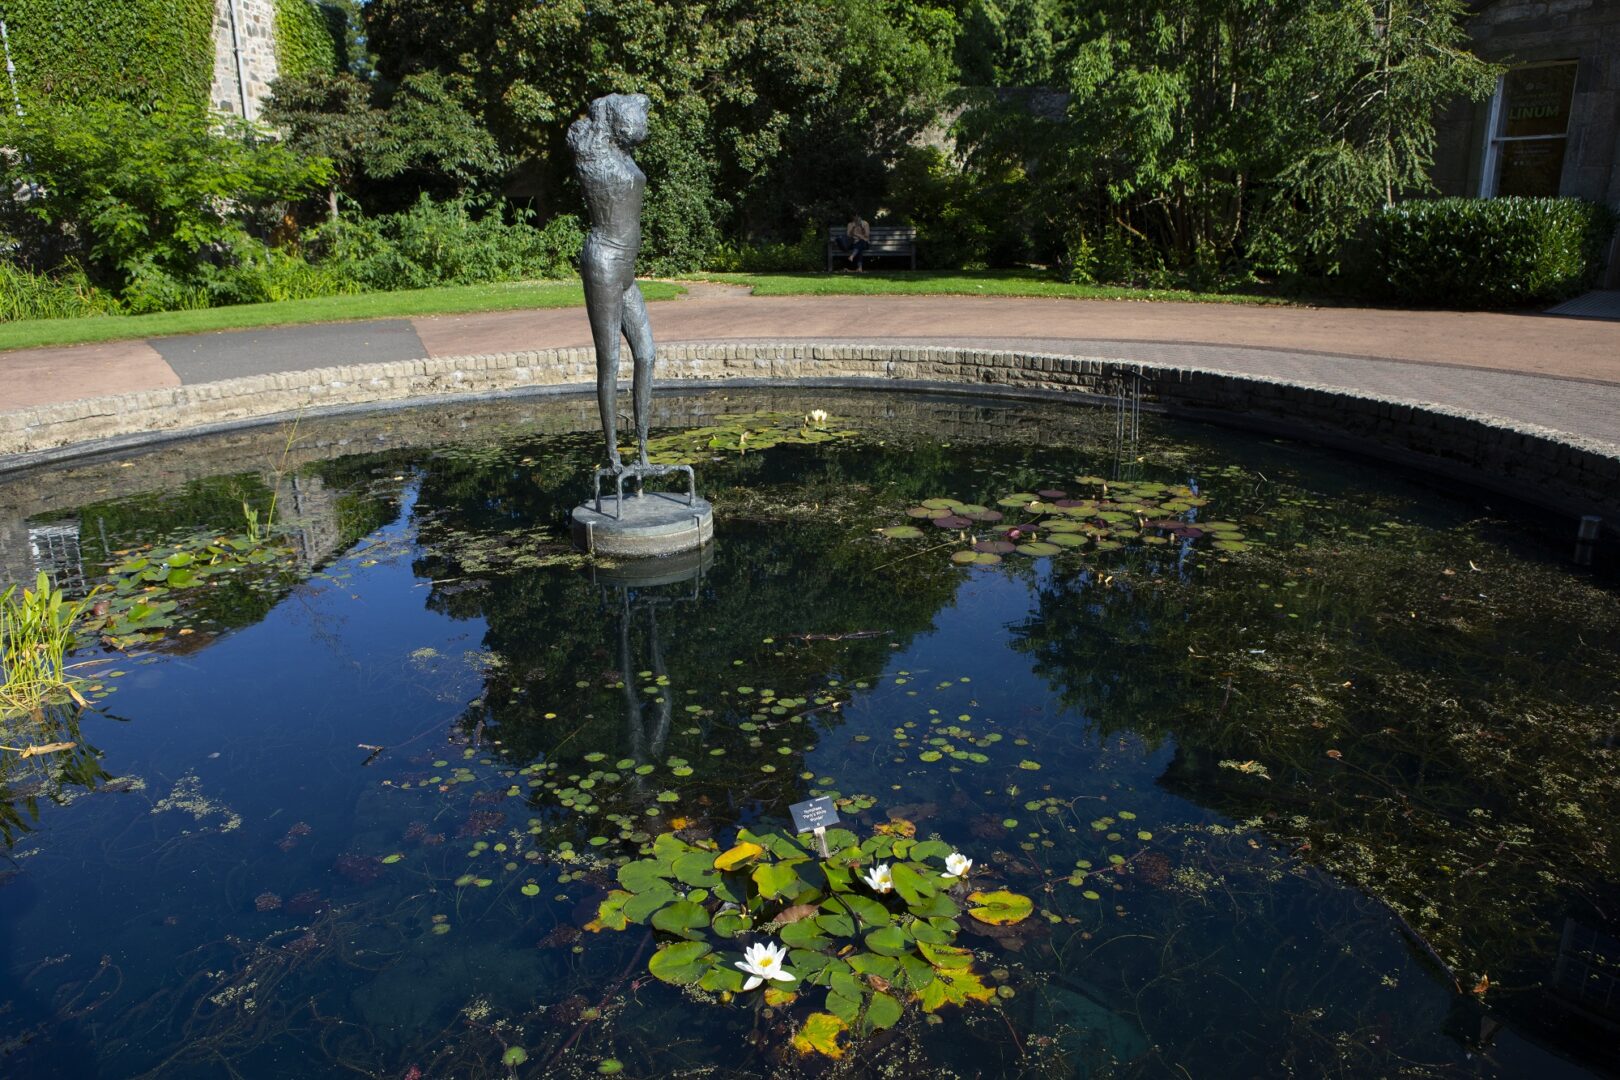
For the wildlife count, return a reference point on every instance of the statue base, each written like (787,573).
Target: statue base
(643,524)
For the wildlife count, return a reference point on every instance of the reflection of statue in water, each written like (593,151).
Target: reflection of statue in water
(635,594)
(601,142)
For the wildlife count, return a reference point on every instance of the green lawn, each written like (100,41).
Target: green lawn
(33,333)
(965,283)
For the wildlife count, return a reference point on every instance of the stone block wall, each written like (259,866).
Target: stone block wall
(1541,467)
(255,35)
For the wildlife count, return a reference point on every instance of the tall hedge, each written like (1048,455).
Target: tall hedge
(309,37)
(139,51)
(1477,253)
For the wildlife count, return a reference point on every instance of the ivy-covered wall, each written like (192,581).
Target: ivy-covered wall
(141,51)
(309,37)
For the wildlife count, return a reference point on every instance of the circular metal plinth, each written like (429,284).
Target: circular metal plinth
(650,524)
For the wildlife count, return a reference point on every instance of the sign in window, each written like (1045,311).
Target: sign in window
(1529,126)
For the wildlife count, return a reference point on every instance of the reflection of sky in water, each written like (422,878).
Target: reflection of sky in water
(1223,950)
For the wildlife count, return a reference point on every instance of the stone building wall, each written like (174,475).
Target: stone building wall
(1523,32)
(256,36)
(1517,32)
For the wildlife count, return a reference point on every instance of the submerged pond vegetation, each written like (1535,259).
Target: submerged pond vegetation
(1259,758)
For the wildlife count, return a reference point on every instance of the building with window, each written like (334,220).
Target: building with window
(1553,125)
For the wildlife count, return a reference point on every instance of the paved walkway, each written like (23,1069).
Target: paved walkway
(1556,372)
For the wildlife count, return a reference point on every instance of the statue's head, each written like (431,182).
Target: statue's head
(619,119)
(627,116)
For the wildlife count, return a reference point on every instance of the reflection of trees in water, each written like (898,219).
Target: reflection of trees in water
(1445,743)
(26,783)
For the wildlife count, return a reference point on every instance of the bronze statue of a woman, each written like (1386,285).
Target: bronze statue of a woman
(601,141)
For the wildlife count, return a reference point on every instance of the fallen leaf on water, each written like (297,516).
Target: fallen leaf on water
(794,914)
(36,751)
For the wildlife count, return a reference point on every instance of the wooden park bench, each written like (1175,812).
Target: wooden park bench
(899,241)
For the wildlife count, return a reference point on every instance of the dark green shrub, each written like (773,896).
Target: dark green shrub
(444,244)
(808,252)
(1480,252)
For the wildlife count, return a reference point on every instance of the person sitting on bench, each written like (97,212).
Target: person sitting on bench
(856,239)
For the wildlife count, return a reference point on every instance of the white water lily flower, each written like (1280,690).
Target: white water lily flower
(763,960)
(818,417)
(957,865)
(880,879)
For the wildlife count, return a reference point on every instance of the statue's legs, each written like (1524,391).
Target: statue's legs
(638,328)
(603,304)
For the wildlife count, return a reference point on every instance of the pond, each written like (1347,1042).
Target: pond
(1268,762)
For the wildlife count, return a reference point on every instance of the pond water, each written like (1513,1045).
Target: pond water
(1303,767)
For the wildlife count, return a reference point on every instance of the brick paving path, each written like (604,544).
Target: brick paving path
(1558,373)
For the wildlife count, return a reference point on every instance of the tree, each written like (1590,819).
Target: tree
(321,114)
(1208,132)
(429,133)
(760,107)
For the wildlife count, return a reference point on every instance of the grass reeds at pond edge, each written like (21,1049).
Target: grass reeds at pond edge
(37,629)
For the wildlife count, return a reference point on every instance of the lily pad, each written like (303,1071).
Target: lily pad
(953,986)
(682,963)
(902,532)
(1000,908)
(736,856)
(952,521)
(888,941)
(682,918)
(819,1035)
(1038,548)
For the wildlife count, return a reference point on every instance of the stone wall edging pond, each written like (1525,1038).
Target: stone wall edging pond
(1548,468)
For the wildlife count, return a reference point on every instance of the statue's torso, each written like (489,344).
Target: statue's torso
(613,191)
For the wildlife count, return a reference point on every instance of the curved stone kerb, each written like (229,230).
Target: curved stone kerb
(1550,468)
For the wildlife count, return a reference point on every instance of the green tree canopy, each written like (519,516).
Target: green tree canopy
(761,108)
(1202,133)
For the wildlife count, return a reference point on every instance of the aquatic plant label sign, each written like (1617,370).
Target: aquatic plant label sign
(813,814)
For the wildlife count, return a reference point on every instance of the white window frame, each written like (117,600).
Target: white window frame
(1494,120)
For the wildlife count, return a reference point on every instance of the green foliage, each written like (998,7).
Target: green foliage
(151,201)
(765,112)
(1196,136)
(64,295)
(37,628)
(310,37)
(1482,252)
(139,51)
(264,275)
(873,947)
(430,135)
(325,114)
(445,244)
(806,253)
